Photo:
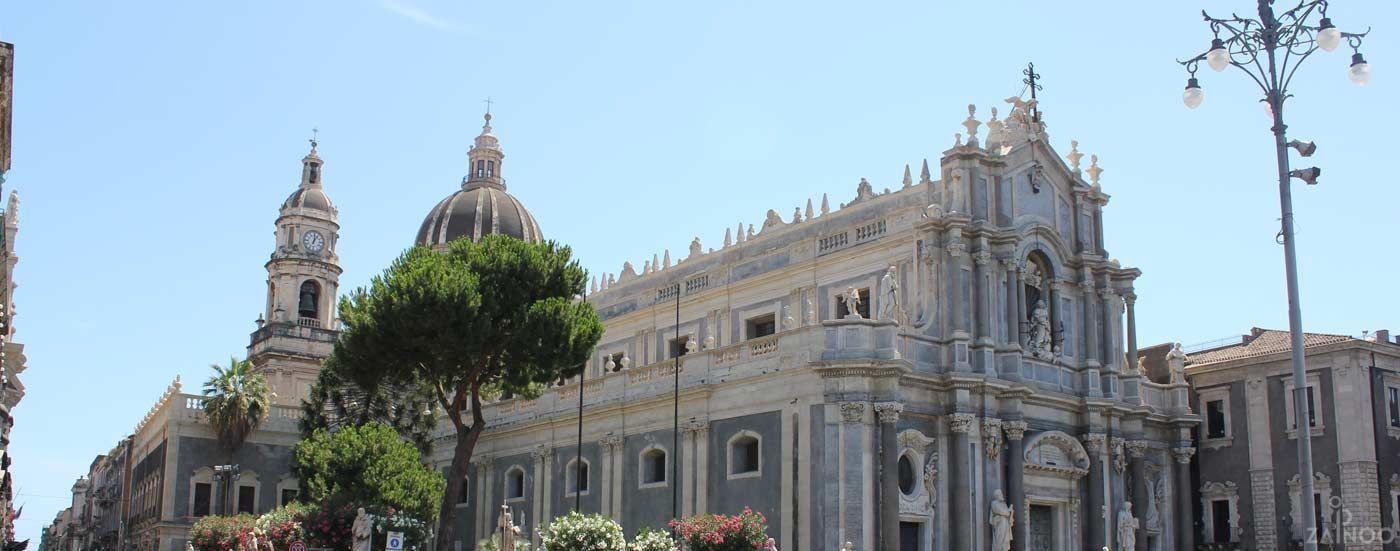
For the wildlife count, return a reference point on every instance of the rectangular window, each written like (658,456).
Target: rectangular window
(202,491)
(1392,395)
(761,326)
(1312,411)
(678,346)
(245,499)
(466,491)
(863,308)
(289,495)
(1215,419)
(1220,521)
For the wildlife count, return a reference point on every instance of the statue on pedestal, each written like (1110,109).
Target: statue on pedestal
(1127,528)
(889,296)
(852,299)
(1040,331)
(1001,521)
(361,530)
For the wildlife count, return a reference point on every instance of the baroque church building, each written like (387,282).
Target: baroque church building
(942,366)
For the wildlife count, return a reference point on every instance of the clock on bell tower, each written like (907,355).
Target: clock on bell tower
(298,329)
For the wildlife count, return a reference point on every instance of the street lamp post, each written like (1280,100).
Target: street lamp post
(224,478)
(1270,49)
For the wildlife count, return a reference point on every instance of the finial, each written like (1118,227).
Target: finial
(741,237)
(957,139)
(924,176)
(826,207)
(666,260)
(593,286)
(796,214)
(1074,156)
(488,103)
(908,177)
(809,208)
(314,142)
(646,267)
(655,263)
(750,231)
(971,124)
(728,237)
(1094,170)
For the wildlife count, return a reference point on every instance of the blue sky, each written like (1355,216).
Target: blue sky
(154,142)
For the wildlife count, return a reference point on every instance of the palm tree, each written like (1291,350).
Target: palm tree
(236,402)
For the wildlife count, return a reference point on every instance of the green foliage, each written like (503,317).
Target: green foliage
(579,532)
(745,531)
(236,402)
(651,539)
(462,324)
(368,464)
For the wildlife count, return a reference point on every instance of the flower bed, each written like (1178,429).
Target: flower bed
(576,532)
(746,531)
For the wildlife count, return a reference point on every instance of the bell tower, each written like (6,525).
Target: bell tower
(297,328)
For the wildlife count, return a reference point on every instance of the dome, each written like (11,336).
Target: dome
(482,206)
(475,211)
(309,198)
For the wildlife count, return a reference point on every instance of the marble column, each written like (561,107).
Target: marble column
(1129,299)
(1136,449)
(1015,479)
(955,285)
(1185,517)
(981,261)
(960,515)
(1094,514)
(1013,325)
(1091,329)
(1020,316)
(611,446)
(888,414)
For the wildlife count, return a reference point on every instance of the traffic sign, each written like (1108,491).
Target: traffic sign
(394,542)
(297,546)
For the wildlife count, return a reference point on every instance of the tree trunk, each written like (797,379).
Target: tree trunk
(461,459)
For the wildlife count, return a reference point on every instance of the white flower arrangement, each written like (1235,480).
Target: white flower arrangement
(652,540)
(576,532)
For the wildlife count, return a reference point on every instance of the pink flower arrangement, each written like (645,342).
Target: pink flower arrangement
(746,531)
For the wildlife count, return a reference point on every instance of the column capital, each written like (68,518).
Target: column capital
(483,462)
(1129,297)
(1094,443)
(982,257)
(1136,448)
(611,443)
(542,453)
(1015,430)
(1183,454)
(961,422)
(956,249)
(888,412)
(853,412)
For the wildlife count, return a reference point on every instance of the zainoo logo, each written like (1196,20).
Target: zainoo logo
(1338,527)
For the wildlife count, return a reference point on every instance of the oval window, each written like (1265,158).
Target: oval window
(906,475)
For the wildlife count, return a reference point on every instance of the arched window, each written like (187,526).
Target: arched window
(576,478)
(310,299)
(744,454)
(653,467)
(515,483)
(480,168)
(906,475)
(490,168)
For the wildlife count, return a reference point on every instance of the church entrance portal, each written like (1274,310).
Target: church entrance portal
(1042,528)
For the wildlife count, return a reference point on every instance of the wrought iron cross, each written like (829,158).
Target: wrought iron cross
(1032,81)
(488,102)
(314,133)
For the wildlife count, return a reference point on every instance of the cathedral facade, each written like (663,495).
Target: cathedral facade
(941,366)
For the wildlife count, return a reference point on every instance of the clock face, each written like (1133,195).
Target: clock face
(313,241)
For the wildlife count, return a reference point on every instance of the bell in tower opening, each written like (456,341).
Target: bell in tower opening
(310,294)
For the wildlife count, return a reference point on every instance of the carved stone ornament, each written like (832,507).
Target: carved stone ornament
(931,480)
(1120,459)
(611,443)
(1015,430)
(1183,454)
(956,249)
(991,438)
(1093,443)
(888,412)
(961,422)
(1040,339)
(1136,448)
(542,453)
(852,412)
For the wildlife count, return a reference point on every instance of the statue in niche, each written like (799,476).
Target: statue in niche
(1127,528)
(889,296)
(1040,340)
(852,299)
(1001,522)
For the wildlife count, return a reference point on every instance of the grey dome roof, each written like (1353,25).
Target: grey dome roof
(309,198)
(478,210)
